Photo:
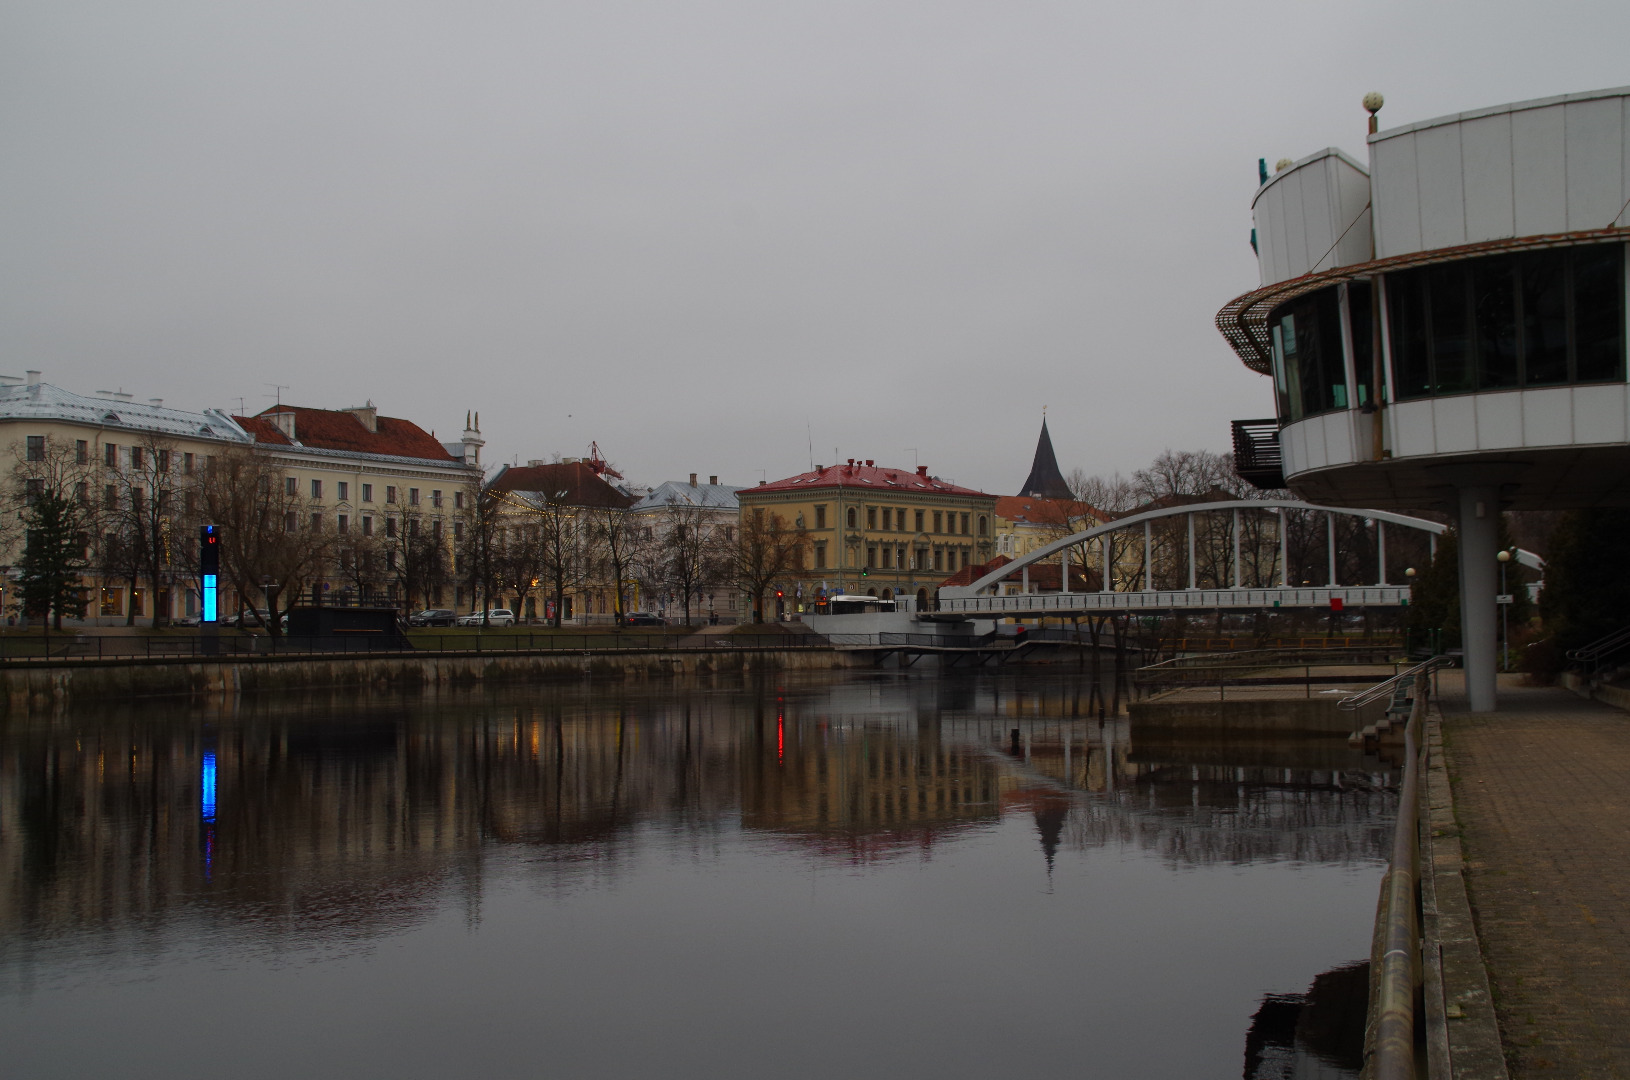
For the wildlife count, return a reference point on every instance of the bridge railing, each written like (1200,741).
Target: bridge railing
(1171,599)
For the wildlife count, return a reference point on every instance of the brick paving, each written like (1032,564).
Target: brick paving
(1542,794)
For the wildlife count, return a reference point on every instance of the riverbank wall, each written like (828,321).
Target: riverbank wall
(27,686)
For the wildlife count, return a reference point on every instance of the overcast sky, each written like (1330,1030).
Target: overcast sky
(708,235)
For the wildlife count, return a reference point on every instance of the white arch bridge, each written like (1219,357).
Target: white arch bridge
(1126,548)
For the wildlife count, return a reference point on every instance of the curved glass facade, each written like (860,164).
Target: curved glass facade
(1506,322)
(1309,356)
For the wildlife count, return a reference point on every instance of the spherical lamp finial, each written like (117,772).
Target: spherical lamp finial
(1282,164)
(1373,102)
(1504,556)
(1410,572)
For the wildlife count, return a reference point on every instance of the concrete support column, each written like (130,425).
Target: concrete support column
(1148,559)
(1479,525)
(1190,519)
(1109,557)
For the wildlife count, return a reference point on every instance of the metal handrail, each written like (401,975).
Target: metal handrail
(1385,689)
(1398,924)
(1605,646)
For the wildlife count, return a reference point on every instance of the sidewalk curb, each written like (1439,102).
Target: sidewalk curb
(1462,1031)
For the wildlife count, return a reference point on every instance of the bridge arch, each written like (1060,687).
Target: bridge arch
(1142,520)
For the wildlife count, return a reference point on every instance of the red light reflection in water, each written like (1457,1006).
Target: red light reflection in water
(780,741)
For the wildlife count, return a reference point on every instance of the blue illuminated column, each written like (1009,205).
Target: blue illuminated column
(209,568)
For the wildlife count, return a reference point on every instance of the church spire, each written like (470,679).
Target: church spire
(1045,481)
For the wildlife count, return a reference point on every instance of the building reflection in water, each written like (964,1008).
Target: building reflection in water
(346,817)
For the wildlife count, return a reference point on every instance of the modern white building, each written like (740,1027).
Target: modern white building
(1444,324)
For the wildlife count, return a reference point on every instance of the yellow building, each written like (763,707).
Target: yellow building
(877,531)
(344,473)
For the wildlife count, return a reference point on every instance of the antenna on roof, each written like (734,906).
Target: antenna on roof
(277,393)
(811,438)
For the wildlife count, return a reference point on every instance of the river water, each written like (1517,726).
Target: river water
(869,875)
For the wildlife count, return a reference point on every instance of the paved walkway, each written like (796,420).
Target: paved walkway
(1542,792)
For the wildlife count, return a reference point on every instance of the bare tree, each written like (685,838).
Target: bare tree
(617,533)
(415,554)
(767,550)
(270,545)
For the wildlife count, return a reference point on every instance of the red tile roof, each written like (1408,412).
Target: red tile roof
(1045,511)
(332,429)
(581,485)
(869,477)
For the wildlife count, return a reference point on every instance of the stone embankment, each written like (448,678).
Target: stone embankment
(30,686)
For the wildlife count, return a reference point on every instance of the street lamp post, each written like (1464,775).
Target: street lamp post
(1409,574)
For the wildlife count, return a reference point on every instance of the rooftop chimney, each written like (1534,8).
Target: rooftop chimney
(33,378)
(692,479)
(367,415)
(156,402)
(922,470)
(713,481)
(869,463)
(284,422)
(534,463)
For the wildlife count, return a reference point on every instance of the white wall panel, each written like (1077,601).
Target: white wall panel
(1313,433)
(1485,151)
(1443,214)
(1595,133)
(1499,420)
(1320,230)
(1397,196)
(1291,443)
(1455,422)
(1338,437)
(1600,414)
(1295,227)
(1539,170)
(1547,417)
(1410,429)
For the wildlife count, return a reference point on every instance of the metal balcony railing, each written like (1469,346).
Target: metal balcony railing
(1257,458)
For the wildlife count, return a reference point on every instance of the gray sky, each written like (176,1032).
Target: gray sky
(693,231)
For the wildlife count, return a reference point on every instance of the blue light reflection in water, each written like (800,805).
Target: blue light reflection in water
(206,798)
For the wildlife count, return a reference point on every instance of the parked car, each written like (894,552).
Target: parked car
(495,617)
(433,617)
(643,618)
(256,618)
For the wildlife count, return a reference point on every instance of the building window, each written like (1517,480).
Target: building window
(343,490)
(291,522)
(343,523)
(367,526)
(917,517)
(1540,318)
(317,489)
(112,602)
(435,530)
(413,496)
(135,457)
(110,497)
(730,533)
(316,523)
(964,524)
(291,486)
(853,517)
(110,455)
(390,526)
(871,558)
(984,525)
(390,493)
(939,559)
(187,464)
(413,526)
(458,500)
(82,452)
(938,522)
(36,448)
(367,493)
(871,518)
(163,461)
(458,530)
(82,493)
(820,556)
(820,517)
(136,500)
(435,499)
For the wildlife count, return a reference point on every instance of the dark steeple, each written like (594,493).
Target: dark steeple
(1045,481)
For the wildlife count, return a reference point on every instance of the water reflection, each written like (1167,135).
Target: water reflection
(333,822)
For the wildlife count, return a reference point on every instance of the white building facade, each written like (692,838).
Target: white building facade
(1445,325)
